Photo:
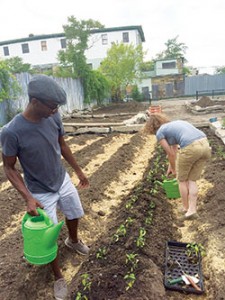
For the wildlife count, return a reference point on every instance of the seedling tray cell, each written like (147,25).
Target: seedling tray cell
(178,262)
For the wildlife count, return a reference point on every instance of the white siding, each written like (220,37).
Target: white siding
(96,52)
(160,70)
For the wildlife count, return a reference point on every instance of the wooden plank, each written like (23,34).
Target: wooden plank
(92,124)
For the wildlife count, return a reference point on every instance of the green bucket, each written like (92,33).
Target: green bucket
(171,188)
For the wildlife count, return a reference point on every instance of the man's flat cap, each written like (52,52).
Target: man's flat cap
(45,88)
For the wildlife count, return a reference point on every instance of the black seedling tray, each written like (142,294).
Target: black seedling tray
(176,252)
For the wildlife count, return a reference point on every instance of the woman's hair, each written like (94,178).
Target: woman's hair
(154,122)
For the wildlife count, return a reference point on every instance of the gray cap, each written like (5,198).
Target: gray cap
(44,88)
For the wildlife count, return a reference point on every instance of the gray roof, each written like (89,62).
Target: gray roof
(58,35)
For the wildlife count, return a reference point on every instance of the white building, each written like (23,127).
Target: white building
(41,50)
(168,67)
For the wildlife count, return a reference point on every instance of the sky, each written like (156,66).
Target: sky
(199,24)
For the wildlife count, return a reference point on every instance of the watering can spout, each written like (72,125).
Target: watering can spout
(51,234)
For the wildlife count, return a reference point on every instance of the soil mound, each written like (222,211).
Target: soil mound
(205,101)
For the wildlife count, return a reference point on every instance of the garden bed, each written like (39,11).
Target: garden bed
(119,169)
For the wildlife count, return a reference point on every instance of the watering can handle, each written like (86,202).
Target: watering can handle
(41,213)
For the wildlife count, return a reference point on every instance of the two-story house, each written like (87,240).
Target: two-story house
(41,50)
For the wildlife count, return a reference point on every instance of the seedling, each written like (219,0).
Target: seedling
(194,250)
(130,278)
(86,282)
(129,221)
(132,260)
(152,205)
(121,231)
(79,296)
(220,152)
(101,253)
(131,201)
(141,238)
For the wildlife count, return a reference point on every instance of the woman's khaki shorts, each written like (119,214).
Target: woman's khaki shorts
(192,159)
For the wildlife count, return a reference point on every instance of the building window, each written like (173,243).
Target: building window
(169,65)
(6,51)
(63,43)
(104,39)
(126,37)
(44,46)
(25,48)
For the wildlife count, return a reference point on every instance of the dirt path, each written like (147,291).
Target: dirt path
(115,165)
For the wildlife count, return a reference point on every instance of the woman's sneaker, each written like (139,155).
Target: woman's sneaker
(60,289)
(79,247)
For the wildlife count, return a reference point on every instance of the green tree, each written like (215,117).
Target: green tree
(220,70)
(98,86)
(122,67)
(73,62)
(148,66)
(16,65)
(9,87)
(174,49)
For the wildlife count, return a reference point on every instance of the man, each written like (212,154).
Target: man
(35,138)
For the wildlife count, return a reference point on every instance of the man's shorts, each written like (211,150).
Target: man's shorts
(192,159)
(66,199)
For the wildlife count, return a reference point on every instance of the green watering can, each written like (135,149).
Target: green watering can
(40,236)
(171,188)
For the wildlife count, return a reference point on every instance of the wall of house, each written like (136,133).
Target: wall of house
(95,53)
(167,86)
(35,56)
(96,48)
(164,67)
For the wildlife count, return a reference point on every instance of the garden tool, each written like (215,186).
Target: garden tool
(189,278)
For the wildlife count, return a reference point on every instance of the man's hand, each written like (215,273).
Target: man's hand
(32,205)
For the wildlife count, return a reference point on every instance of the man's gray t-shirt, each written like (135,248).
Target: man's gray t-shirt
(179,133)
(37,148)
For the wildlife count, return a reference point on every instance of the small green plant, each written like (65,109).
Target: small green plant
(141,238)
(101,253)
(149,218)
(121,231)
(129,221)
(130,278)
(132,260)
(152,204)
(131,201)
(220,152)
(154,190)
(86,282)
(79,296)
(194,250)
